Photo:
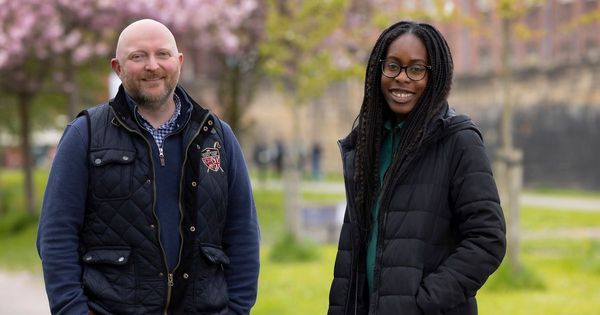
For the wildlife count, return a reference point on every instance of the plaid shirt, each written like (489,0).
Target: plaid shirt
(159,134)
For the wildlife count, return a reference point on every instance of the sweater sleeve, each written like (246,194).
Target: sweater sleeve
(480,224)
(61,219)
(241,239)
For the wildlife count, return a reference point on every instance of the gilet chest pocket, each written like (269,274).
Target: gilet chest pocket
(112,173)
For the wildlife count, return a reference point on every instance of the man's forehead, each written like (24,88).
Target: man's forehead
(149,43)
(145,34)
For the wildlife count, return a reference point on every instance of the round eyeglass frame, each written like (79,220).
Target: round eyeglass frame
(405,69)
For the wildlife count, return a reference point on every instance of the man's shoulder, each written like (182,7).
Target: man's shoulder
(94,109)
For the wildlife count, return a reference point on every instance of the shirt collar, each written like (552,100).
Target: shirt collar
(171,122)
(387,125)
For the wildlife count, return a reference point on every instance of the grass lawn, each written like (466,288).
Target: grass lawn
(568,270)
(537,218)
(295,288)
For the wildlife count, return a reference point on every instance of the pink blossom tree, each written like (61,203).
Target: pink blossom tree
(44,44)
(36,37)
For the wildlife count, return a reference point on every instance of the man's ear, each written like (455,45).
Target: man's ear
(114,63)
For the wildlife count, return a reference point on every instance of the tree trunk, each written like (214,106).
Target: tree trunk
(292,178)
(229,94)
(70,87)
(24,108)
(509,159)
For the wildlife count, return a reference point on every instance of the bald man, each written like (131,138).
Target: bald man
(148,207)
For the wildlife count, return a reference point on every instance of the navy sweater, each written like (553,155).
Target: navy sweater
(64,206)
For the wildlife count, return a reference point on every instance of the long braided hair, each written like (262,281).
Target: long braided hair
(375,110)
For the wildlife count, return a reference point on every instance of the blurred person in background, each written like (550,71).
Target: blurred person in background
(315,161)
(148,207)
(423,228)
(262,159)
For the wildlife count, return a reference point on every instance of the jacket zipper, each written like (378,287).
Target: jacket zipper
(170,285)
(161,156)
(170,279)
(386,201)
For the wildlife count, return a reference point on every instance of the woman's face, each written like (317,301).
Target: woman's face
(402,92)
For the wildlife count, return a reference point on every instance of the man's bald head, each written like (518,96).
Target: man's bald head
(141,29)
(148,63)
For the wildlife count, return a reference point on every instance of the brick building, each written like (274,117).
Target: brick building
(547,33)
(555,88)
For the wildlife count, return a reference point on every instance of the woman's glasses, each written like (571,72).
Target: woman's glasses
(392,69)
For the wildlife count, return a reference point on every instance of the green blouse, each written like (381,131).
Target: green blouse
(390,142)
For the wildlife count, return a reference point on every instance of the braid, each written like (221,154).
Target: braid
(375,110)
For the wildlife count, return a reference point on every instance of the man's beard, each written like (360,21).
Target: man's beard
(152,102)
(145,100)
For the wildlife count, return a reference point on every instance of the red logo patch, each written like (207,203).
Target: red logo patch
(211,157)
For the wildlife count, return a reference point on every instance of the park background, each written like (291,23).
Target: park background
(287,75)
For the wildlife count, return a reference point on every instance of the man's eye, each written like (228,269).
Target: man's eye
(164,54)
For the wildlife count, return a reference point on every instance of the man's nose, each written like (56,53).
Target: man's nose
(152,63)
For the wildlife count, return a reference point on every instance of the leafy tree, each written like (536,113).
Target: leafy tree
(297,56)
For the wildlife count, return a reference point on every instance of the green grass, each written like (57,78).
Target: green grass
(539,218)
(269,204)
(568,270)
(11,190)
(571,274)
(18,250)
(295,288)
(18,230)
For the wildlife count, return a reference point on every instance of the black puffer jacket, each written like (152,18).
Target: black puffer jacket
(442,233)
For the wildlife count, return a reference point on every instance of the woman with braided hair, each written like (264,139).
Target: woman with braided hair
(423,228)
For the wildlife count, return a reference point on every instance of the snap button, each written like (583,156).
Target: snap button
(185,276)
(198,147)
(97,161)
(125,158)
(148,181)
(210,122)
(194,184)
(205,128)
(152,226)
(88,258)
(192,228)
(121,259)
(160,274)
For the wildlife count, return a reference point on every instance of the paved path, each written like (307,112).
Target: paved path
(23,293)
(530,199)
(561,203)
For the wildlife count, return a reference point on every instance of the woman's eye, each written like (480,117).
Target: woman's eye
(416,69)
(393,66)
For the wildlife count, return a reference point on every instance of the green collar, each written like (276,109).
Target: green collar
(388,125)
